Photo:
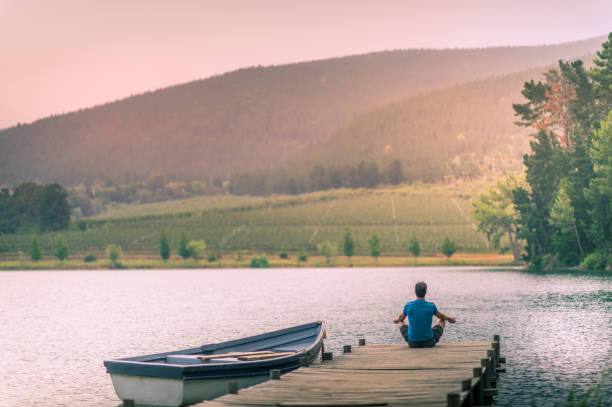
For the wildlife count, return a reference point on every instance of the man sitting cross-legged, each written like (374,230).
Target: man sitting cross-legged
(419,332)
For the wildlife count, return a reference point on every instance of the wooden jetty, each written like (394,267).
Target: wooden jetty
(451,374)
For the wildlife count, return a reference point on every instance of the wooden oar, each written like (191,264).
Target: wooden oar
(234,355)
(265,356)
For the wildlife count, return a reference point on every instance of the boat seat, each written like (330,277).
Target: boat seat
(193,360)
(182,359)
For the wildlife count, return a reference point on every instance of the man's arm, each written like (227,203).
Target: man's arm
(445,318)
(401,317)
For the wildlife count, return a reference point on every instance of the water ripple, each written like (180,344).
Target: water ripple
(60,326)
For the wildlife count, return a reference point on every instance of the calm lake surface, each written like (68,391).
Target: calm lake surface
(58,327)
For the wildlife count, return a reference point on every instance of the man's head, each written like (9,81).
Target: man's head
(420,289)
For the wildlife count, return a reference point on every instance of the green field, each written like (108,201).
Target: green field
(284,223)
(197,203)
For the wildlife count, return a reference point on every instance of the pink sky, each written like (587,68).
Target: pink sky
(61,55)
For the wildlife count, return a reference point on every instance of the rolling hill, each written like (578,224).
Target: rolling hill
(445,132)
(291,223)
(253,118)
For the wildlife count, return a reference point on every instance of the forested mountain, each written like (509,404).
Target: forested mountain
(252,118)
(435,134)
(459,131)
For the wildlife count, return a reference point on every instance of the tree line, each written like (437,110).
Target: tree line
(365,174)
(195,249)
(32,207)
(93,198)
(563,209)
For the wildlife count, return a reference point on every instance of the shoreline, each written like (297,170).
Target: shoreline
(147,262)
(230,261)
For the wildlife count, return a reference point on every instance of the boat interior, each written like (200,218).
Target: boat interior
(270,345)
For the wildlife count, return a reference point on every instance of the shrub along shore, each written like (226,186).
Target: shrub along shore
(232,260)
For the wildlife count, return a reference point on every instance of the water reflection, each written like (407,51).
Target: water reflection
(555,329)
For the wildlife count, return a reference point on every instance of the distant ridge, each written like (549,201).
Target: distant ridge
(250,119)
(442,133)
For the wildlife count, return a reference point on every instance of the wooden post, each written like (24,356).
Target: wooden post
(361,341)
(491,356)
(347,349)
(466,385)
(478,395)
(274,374)
(453,399)
(232,387)
(128,403)
(304,362)
(496,349)
(328,356)
(484,364)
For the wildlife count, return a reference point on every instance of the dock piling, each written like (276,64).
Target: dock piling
(496,349)
(453,399)
(484,364)
(327,356)
(478,393)
(492,367)
(466,385)
(362,342)
(275,374)
(232,387)
(347,349)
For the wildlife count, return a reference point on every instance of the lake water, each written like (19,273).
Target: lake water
(58,327)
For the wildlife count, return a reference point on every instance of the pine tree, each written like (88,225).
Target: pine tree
(182,247)
(546,166)
(576,183)
(415,248)
(448,247)
(599,193)
(164,246)
(564,238)
(375,245)
(61,248)
(35,252)
(601,74)
(349,244)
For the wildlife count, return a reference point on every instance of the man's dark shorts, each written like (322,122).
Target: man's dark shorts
(437,333)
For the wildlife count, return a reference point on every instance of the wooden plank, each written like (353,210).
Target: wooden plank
(371,375)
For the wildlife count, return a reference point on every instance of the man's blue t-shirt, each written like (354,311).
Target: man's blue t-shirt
(420,314)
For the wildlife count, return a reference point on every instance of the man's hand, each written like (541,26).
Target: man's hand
(399,318)
(445,318)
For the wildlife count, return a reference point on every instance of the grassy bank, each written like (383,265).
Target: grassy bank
(232,261)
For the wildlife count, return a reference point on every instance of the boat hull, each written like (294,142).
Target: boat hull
(181,378)
(156,391)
